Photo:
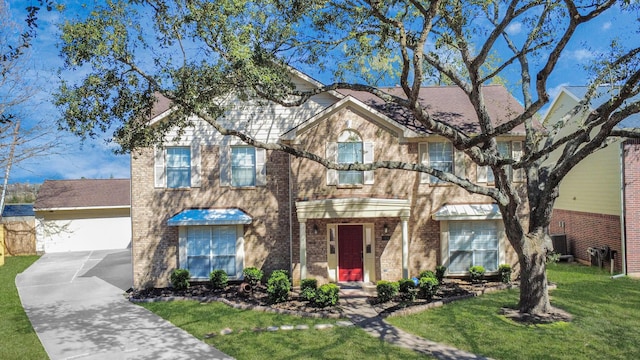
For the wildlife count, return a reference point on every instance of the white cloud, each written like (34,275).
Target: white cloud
(514,28)
(606,26)
(580,55)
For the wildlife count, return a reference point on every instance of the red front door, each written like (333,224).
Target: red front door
(350,253)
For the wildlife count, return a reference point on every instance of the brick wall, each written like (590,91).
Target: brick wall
(584,230)
(632,205)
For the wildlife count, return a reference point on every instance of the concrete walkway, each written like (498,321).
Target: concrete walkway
(359,311)
(76,305)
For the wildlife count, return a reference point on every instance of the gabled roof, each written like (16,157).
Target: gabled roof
(448,104)
(603,94)
(15,210)
(84,193)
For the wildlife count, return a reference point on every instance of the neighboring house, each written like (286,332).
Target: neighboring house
(207,201)
(18,223)
(87,214)
(599,199)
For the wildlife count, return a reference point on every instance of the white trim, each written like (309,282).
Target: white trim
(83,208)
(352,208)
(468,212)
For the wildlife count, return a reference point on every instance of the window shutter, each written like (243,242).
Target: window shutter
(516,154)
(261,167)
(225,165)
(195,165)
(332,155)
(159,168)
(367,158)
(459,166)
(481,173)
(423,154)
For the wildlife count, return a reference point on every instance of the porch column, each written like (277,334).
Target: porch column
(303,248)
(405,247)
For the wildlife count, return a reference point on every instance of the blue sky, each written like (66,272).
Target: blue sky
(95,158)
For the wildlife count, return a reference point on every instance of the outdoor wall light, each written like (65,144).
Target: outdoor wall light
(315,229)
(386,228)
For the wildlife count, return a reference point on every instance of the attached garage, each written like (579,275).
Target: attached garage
(80,215)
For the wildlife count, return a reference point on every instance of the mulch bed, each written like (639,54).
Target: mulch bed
(450,290)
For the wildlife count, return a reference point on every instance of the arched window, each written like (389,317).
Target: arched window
(350,152)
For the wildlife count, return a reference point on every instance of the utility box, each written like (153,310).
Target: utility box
(560,244)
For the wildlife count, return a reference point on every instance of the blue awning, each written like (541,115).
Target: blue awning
(194,217)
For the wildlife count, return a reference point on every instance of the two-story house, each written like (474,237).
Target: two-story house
(206,201)
(599,198)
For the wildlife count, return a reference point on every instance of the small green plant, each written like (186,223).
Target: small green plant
(428,287)
(476,273)
(387,290)
(408,290)
(505,273)
(180,279)
(426,273)
(252,275)
(553,257)
(308,288)
(218,279)
(278,286)
(327,295)
(440,270)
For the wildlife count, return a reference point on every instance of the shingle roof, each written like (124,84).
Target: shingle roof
(602,95)
(55,194)
(448,104)
(11,210)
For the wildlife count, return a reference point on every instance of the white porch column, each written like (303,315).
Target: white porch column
(303,248)
(405,247)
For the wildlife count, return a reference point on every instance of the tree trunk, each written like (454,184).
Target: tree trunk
(534,291)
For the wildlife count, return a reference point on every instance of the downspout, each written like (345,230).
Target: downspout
(623,237)
(290,219)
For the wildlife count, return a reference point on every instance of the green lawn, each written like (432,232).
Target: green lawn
(17,338)
(244,343)
(606,321)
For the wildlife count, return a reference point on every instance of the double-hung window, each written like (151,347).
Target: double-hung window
(243,166)
(440,158)
(350,153)
(211,248)
(178,167)
(504,150)
(473,243)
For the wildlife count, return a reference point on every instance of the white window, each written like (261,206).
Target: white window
(243,166)
(473,243)
(440,158)
(177,166)
(211,248)
(506,150)
(350,149)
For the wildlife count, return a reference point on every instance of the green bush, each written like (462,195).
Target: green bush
(308,288)
(387,290)
(440,270)
(252,275)
(505,273)
(428,287)
(218,279)
(180,279)
(278,286)
(477,273)
(327,295)
(426,273)
(408,289)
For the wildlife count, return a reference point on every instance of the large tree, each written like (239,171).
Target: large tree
(195,53)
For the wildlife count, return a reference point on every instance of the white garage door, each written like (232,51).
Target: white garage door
(81,234)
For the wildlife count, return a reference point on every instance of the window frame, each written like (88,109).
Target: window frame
(184,255)
(473,250)
(252,168)
(184,183)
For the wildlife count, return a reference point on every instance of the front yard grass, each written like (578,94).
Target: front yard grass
(244,343)
(18,340)
(605,326)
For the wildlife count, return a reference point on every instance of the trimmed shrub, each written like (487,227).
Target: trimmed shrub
(308,288)
(180,279)
(440,270)
(408,289)
(252,275)
(505,273)
(387,290)
(278,286)
(426,273)
(428,287)
(218,279)
(477,273)
(327,295)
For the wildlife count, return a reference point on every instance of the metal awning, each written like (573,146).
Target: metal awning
(468,212)
(194,217)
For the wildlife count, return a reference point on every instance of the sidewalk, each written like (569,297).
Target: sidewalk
(357,309)
(78,313)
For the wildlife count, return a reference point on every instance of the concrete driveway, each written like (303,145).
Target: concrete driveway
(76,305)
